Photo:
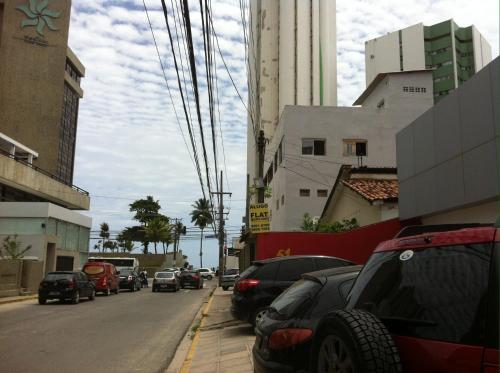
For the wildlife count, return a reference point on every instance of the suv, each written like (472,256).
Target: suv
(262,282)
(104,276)
(64,285)
(433,296)
(206,273)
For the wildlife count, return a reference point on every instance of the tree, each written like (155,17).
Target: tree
(157,231)
(104,234)
(136,234)
(201,217)
(124,243)
(145,209)
(111,245)
(12,248)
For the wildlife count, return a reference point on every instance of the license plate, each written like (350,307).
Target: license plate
(54,293)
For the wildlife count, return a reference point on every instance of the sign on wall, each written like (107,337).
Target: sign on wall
(259,218)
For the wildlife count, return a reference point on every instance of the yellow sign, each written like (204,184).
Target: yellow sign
(259,218)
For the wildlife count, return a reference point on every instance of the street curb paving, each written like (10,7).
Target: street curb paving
(17,299)
(181,362)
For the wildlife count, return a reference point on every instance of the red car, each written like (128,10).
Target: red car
(422,303)
(104,276)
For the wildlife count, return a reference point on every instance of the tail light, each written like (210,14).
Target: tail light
(104,281)
(129,278)
(71,284)
(284,338)
(246,284)
(196,277)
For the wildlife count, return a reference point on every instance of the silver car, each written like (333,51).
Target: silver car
(166,280)
(229,278)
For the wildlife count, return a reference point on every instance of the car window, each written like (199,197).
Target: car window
(93,269)
(492,337)
(291,299)
(291,269)
(266,272)
(203,270)
(345,287)
(58,276)
(432,293)
(249,271)
(324,263)
(231,272)
(165,275)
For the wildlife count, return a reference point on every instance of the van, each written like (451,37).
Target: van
(104,276)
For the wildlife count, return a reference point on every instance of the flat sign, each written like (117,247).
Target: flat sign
(259,218)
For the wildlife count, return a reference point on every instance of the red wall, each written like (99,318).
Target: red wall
(356,245)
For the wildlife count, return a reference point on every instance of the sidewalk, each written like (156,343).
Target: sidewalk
(222,344)
(19,298)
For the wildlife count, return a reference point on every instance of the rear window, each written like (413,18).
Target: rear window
(249,271)
(292,269)
(58,276)
(324,263)
(203,270)
(126,272)
(165,275)
(433,293)
(291,299)
(93,270)
(266,272)
(231,272)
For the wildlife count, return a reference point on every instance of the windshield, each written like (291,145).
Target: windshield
(432,293)
(165,275)
(58,276)
(125,272)
(203,270)
(93,270)
(231,272)
(291,299)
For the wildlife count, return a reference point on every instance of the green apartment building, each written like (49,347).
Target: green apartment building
(453,53)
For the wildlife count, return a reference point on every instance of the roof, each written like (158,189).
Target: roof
(322,276)
(371,87)
(374,189)
(282,258)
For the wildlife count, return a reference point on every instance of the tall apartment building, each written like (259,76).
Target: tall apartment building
(40,82)
(453,53)
(291,61)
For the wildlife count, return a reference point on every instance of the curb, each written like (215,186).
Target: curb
(16,300)
(181,362)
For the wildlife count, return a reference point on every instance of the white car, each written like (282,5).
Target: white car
(206,273)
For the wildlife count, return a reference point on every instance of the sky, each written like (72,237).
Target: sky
(129,143)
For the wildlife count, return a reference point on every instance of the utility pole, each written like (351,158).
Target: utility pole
(261,146)
(221,228)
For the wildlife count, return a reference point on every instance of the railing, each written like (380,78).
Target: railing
(42,171)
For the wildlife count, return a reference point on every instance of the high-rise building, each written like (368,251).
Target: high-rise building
(40,82)
(292,60)
(453,53)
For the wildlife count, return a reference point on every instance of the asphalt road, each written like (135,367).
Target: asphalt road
(129,332)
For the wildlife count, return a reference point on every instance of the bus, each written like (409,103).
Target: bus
(118,262)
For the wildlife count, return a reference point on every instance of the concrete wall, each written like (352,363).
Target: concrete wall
(413,47)
(32,275)
(448,157)
(381,55)
(27,179)
(10,277)
(482,50)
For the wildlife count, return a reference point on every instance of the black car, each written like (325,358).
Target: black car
(262,282)
(130,279)
(65,285)
(285,333)
(191,278)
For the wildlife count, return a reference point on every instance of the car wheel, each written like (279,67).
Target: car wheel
(42,300)
(356,341)
(92,295)
(209,277)
(116,291)
(76,298)
(107,292)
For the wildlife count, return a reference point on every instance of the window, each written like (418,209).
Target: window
(280,152)
(324,263)
(322,192)
(276,162)
(355,148)
(304,192)
(293,298)
(282,199)
(423,89)
(417,89)
(313,147)
(277,204)
(266,272)
(291,269)
(405,89)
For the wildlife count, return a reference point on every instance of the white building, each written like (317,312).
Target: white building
(454,53)
(292,60)
(311,143)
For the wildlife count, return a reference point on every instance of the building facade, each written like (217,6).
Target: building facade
(447,159)
(40,82)
(292,60)
(311,144)
(453,53)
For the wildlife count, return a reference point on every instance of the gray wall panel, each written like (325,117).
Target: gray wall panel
(426,192)
(423,142)
(493,68)
(447,139)
(450,183)
(405,153)
(476,112)
(407,201)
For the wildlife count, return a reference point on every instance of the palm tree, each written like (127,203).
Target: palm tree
(156,231)
(104,234)
(201,217)
(167,239)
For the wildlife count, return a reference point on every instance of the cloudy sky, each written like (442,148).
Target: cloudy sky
(129,143)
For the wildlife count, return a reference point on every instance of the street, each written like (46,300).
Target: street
(129,332)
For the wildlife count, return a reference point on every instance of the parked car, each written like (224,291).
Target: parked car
(262,282)
(206,273)
(285,333)
(166,280)
(130,279)
(104,276)
(191,278)
(65,285)
(422,303)
(229,278)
